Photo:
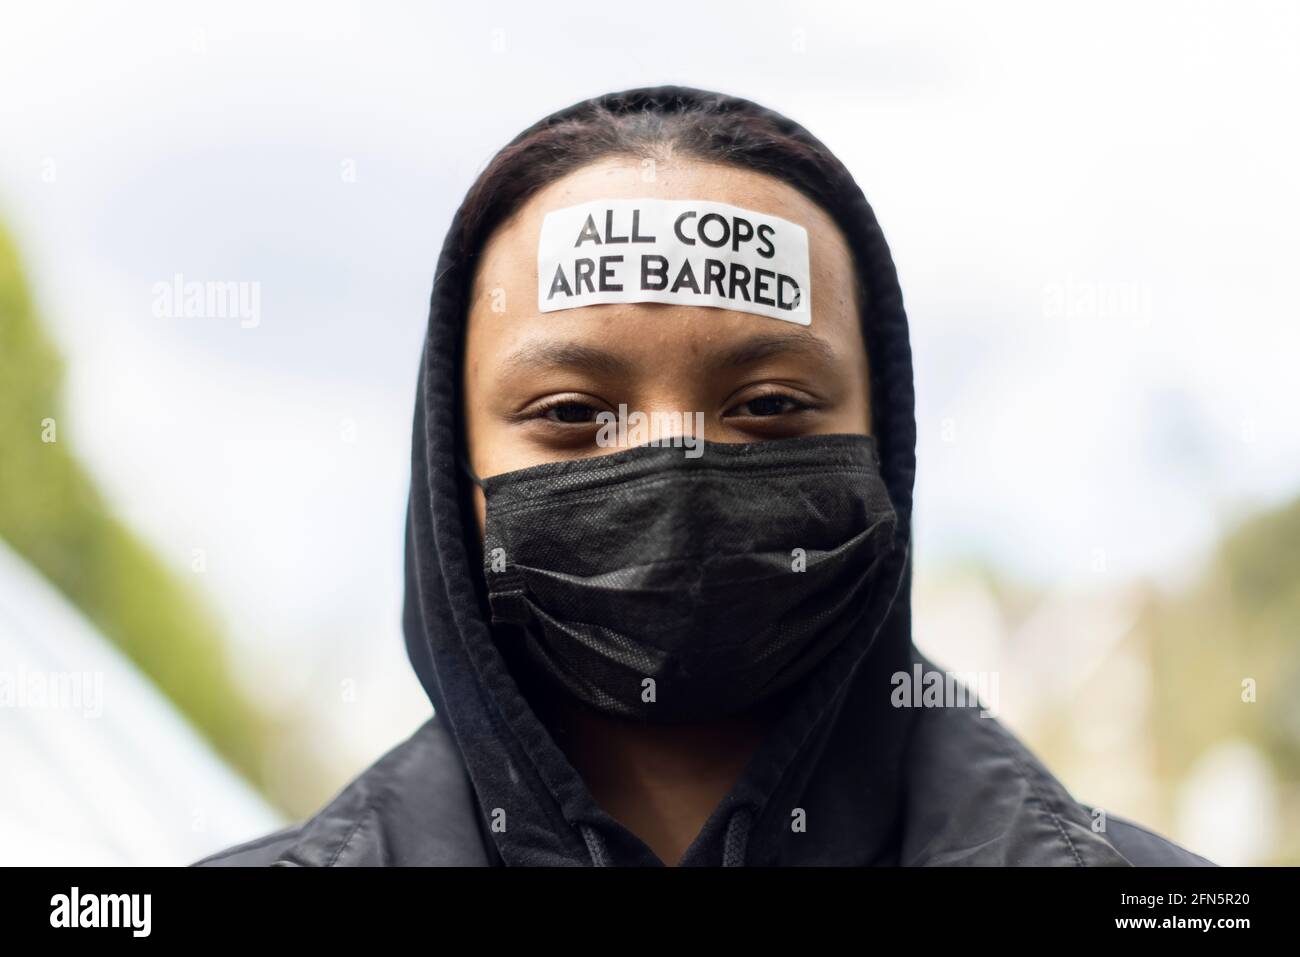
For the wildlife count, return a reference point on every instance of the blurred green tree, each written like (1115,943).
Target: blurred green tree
(52,514)
(1227,655)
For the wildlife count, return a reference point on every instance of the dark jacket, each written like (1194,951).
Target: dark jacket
(869,783)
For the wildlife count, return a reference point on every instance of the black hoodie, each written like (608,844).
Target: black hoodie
(843,778)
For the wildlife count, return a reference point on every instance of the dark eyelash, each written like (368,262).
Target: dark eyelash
(798,404)
(534,410)
(549,405)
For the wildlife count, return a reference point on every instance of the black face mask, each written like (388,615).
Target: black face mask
(665,588)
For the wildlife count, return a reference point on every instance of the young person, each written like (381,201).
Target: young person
(658,549)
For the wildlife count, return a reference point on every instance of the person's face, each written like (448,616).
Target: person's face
(534,382)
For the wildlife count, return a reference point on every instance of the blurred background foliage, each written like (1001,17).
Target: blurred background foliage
(1226,654)
(1175,706)
(52,514)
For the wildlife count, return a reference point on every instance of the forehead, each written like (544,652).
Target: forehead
(507,268)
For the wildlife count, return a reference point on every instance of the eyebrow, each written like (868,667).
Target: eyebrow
(573,355)
(761,347)
(568,355)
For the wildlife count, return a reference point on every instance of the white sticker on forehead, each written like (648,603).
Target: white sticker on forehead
(684,251)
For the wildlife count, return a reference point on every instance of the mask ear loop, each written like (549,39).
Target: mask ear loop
(469,470)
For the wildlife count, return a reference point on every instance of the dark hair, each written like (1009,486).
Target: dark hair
(706,128)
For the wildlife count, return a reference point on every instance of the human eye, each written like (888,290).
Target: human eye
(771,411)
(562,421)
(768,403)
(567,412)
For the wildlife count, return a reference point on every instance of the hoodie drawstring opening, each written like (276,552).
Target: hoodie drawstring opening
(734,844)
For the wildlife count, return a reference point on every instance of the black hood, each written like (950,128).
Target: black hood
(837,737)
